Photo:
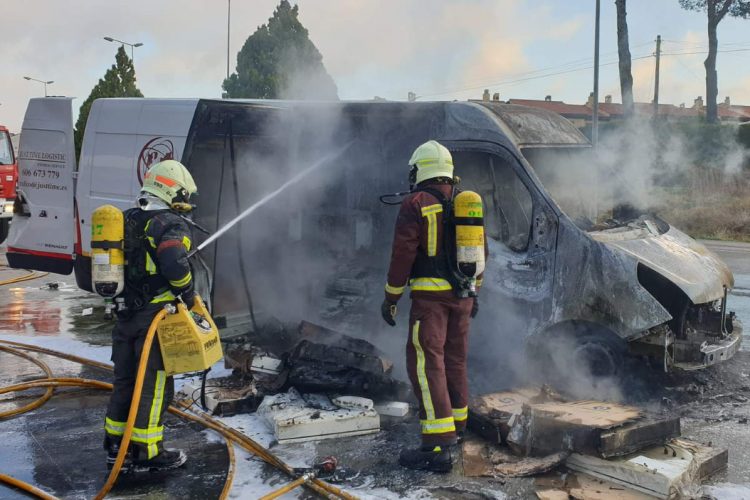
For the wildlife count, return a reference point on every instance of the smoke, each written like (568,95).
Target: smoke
(636,163)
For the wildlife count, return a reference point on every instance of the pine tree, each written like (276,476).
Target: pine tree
(118,81)
(280,61)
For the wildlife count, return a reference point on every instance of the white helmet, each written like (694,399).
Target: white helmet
(432,160)
(171,182)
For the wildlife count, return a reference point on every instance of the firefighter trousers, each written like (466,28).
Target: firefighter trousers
(436,362)
(128,337)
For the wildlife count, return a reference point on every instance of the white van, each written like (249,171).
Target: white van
(123,138)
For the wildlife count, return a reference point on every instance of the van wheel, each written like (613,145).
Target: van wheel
(4,229)
(599,355)
(582,362)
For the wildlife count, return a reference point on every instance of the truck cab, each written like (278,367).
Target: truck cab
(8,179)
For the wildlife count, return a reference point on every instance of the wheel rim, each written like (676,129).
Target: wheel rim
(597,358)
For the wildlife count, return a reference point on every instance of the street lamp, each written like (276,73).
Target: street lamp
(45,82)
(139,44)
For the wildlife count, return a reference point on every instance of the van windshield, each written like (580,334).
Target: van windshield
(6,151)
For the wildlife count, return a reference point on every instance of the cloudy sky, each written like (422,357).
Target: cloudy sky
(440,49)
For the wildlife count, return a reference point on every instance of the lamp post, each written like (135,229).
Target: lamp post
(132,45)
(45,82)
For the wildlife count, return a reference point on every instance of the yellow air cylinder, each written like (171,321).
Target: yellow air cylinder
(188,345)
(107,251)
(469,218)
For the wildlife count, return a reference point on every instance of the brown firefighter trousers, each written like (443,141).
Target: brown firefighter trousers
(436,362)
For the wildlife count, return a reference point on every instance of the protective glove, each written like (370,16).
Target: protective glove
(189,299)
(475,307)
(388,311)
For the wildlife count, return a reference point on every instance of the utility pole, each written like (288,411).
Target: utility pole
(656,78)
(229,14)
(595,117)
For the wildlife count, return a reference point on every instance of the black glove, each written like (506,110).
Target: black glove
(388,311)
(189,299)
(475,307)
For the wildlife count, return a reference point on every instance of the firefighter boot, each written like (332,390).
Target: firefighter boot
(165,460)
(112,445)
(433,459)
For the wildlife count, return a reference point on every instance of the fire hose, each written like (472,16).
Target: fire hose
(230,435)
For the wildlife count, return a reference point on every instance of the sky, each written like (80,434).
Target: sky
(439,49)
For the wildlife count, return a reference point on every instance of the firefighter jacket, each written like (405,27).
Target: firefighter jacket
(418,239)
(160,257)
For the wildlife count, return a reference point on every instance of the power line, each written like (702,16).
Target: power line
(519,80)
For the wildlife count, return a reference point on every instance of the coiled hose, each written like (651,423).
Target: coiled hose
(230,435)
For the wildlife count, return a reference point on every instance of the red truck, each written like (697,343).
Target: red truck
(8,178)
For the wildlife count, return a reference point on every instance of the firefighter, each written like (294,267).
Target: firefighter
(157,242)
(439,321)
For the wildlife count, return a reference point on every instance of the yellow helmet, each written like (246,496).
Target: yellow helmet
(171,182)
(431,160)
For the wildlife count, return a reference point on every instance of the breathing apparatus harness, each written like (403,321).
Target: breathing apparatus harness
(445,264)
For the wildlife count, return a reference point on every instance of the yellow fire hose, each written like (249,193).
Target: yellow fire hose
(31,275)
(231,436)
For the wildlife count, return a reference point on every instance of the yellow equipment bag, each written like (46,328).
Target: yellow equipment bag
(188,345)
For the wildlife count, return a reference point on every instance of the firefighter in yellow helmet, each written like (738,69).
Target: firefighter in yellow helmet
(157,241)
(439,320)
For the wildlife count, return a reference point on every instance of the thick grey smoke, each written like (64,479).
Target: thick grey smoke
(636,165)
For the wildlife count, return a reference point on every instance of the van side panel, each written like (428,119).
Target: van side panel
(42,233)
(123,138)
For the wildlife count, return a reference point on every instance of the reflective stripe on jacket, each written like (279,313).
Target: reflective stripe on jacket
(418,236)
(170,239)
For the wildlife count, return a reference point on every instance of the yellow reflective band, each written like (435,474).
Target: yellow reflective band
(182,282)
(431,235)
(429,285)
(424,387)
(148,436)
(186,243)
(431,212)
(428,162)
(460,414)
(479,282)
(155,413)
(163,297)
(438,426)
(395,290)
(150,266)
(113,427)
(432,209)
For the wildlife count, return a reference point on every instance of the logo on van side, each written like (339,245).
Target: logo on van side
(154,151)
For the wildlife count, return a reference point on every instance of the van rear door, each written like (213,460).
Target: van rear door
(42,232)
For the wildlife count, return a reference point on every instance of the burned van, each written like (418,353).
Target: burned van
(316,244)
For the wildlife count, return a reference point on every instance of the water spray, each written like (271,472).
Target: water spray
(252,208)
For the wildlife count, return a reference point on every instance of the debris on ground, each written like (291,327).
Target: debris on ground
(672,470)
(483,459)
(531,431)
(293,419)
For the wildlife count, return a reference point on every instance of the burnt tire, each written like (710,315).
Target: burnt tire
(581,362)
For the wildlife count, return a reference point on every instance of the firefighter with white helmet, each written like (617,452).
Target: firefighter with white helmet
(157,241)
(428,257)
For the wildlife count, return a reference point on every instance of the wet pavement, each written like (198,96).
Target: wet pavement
(59,446)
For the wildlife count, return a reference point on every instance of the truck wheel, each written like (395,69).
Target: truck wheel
(4,228)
